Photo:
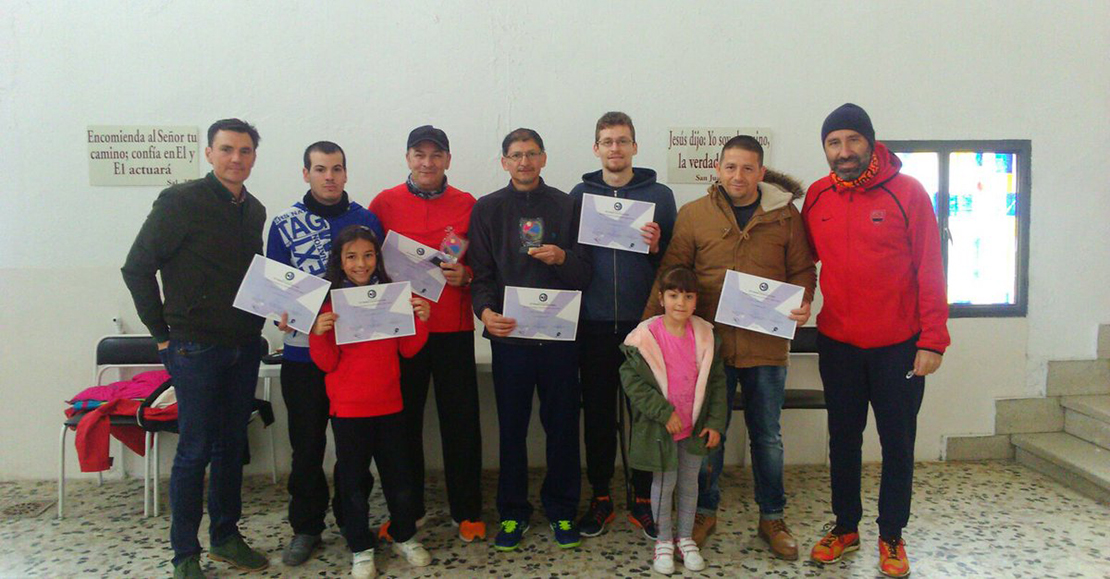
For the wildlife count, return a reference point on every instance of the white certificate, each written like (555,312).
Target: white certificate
(373,312)
(412,261)
(759,304)
(542,314)
(272,288)
(614,222)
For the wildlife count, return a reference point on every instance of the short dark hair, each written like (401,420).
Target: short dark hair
(334,272)
(746,143)
(678,278)
(234,125)
(614,119)
(325,147)
(520,135)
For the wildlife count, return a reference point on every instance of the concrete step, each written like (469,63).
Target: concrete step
(1088,417)
(1024,415)
(1076,463)
(978,447)
(1078,377)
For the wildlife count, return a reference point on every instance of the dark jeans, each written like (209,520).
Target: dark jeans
(306,400)
(853,378)
(551,368)
(599,363)
(448,359)
(763,389)
(215,392)
(381,439)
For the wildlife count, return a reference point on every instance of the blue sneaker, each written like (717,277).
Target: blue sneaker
(508,538)
(566,534)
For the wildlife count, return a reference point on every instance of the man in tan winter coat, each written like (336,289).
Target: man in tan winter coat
(747,223)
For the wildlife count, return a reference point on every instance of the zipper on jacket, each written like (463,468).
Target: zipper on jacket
(616,314)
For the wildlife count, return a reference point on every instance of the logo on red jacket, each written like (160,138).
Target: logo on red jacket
(877,216)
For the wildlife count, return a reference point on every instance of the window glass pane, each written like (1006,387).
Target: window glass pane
(982,255)
(925,167)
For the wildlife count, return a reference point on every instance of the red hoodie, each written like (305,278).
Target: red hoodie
(426,221)
(882,277)
(364,379)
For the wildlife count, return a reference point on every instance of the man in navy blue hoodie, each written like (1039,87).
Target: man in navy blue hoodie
(301,237)
(611,308)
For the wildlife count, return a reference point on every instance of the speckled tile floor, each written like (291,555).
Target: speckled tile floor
(990,519)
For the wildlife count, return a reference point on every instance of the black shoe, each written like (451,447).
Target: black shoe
(596,520)
(640,516)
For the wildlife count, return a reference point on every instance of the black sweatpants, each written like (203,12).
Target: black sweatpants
(599,362)
(448,359)
(381,439)
(306,400)
(853,378)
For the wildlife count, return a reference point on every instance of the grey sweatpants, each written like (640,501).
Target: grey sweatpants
(663,485)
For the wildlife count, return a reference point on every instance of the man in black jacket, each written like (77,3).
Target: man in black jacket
(525,235)
(202,235)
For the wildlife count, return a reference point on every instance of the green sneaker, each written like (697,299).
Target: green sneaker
(238,554)
(188,568)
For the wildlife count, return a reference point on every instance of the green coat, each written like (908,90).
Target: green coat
(651,448)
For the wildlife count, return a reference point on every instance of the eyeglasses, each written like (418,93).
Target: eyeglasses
(621,142)
(518,156)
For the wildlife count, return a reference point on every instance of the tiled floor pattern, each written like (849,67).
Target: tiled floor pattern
(991,519)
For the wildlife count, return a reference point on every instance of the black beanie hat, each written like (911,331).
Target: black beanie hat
(849,116)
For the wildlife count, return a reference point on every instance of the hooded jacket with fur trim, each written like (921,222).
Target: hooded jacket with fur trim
(644,377)
(773,245)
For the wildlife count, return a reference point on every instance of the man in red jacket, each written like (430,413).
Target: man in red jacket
(426,209)
(882,327)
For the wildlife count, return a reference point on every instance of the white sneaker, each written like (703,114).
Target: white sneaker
(691,556)
(663,562)
(413,552)
(362,566)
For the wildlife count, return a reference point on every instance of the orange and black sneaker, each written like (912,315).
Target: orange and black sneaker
(383,532)
(640,516)
(893,561)
(597,518)
(470,530)
(836,542)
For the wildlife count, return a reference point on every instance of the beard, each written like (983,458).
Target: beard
(850,173)
(847,172)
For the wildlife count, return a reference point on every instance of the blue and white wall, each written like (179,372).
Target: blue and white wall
(363,74)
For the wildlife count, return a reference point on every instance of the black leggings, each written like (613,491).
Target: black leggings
(381,439)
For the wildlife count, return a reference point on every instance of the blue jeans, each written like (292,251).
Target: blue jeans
(764,390)
(215,391)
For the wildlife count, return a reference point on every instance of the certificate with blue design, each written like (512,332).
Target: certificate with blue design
(614,222)
(759,304)
(542,314)
(271,288)
(373,312)
(409,260)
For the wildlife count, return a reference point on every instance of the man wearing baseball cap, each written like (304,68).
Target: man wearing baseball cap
(883,325)
(426,209)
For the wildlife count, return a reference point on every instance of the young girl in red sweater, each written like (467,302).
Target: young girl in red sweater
(364,389)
